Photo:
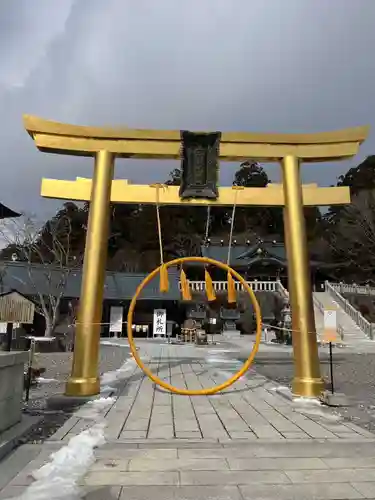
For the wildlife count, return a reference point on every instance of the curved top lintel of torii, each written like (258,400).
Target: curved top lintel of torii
(125,142)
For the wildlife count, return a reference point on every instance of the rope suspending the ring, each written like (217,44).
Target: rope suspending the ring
(232,298)
(163,275)
(209,286)
(207,224)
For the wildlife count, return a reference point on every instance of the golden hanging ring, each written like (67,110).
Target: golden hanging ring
(248,362)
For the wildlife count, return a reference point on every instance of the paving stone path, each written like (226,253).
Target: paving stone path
(250,442)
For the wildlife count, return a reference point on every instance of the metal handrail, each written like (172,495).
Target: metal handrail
(354,289)
(282,290)
(367,327)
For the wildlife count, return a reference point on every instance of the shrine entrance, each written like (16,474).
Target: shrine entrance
(200,154)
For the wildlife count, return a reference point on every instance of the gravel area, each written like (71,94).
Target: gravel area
(354,375)
(58,366)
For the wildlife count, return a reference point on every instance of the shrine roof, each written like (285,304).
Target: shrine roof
(220,253)
(243,255)
(262,252)
(26,278)
(7,213)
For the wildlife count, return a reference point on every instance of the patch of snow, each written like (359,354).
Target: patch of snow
(114,375)
(218,351)
(221,360)
(307,406)
(108,388)
(95,409)
(42,380)
(113,343)
(228,375)
(59,478)
(302,401)
(321,414)
(276,344)
(281,389)
(41,339)
(100,403)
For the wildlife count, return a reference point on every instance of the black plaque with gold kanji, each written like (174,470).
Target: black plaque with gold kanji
(199,165)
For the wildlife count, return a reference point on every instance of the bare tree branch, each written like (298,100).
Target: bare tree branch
(47,254)
(351,235)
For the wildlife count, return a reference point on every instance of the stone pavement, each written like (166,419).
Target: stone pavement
(250,442)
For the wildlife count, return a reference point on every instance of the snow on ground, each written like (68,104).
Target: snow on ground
(281,389)
(113,376)
(221,351)
(42,380)
(95,409)
(307,402)
(226,375)
(307,406)
(58,479)
(323,415)
(114,343)
(220,361)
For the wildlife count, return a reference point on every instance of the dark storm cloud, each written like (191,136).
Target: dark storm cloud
(257,65)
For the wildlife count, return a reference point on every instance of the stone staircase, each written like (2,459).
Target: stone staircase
(350,331)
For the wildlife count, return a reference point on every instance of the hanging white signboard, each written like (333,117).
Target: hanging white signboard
(115,322)
(160,322)
(330,325)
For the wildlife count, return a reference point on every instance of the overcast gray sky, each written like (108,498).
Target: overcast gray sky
(254,65)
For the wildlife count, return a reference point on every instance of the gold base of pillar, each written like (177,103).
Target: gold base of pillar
(307,387)
(82,386)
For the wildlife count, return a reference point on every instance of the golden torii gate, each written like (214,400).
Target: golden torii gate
(104,144)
